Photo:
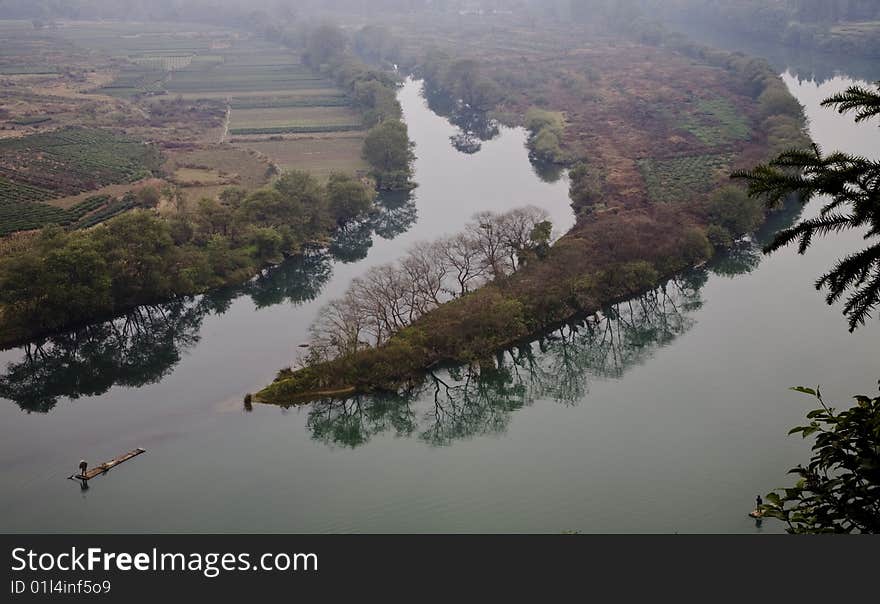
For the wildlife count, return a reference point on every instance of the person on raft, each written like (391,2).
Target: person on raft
(758,503)
(83,466)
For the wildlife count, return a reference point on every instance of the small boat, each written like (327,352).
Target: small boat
(106,466)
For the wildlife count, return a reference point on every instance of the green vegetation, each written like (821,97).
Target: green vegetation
(717,121)
(852,185)
(134,80)
(732,214)
(462,79)
(839,490)
(31,120)
(26,216)
(631,232)
(605,262)
(69,277)
(388,150)
(677,179)
(42,167)
(71,161)
(387,147)
(545,135)
(289,101)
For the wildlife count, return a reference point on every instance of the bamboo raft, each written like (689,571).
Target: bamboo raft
(106,466)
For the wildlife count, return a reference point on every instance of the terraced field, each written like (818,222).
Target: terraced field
(294,119)
(48,175)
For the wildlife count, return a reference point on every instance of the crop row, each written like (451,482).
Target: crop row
(70,161)
(31,120)
(295,129)
(26,216)
(282,102)
(163,63)
(679,179)
(16,192)
(106,213)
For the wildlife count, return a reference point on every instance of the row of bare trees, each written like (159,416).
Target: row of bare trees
(391,296)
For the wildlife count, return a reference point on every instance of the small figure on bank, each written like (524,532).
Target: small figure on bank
(83,466)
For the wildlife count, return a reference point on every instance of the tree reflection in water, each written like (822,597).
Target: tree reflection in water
(144,345)
(473,128)
(463,402)
(396,213)
(136,349)
(297,280)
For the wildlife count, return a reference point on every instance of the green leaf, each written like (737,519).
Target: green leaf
(804,390)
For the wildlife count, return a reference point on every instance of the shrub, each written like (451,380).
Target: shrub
(731,207)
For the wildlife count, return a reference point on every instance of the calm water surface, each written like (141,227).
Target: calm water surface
(668,413)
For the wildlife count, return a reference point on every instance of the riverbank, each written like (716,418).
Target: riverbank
(185,240)
(649,192)
(65,279)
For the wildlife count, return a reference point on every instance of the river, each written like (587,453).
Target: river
(668,415)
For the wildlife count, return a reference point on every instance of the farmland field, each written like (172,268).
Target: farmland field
(27,215)
(716,121)
(207,176)
(71,161)
(679,179)
(207,171)
(169,83)
(320,155)
(294,119)
(242,96)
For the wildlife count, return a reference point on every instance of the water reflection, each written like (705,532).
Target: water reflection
(136,349)
(547,171)
(297,280)
(463,402)
(473,127)
(396,214)
(805,63)
(144,345)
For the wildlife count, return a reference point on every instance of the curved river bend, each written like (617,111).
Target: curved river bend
(669,414)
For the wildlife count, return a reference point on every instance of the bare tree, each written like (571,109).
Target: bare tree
(515,231)
(486,234)
(460,252)
(392,296)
